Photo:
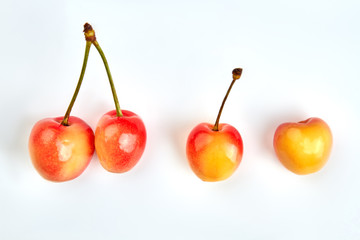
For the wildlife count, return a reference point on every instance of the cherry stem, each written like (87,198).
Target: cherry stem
(236,75)
(116,101)
(90,37)
(65,121)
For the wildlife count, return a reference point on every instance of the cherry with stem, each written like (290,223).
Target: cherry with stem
(215,151)
(121,150)
(61,148)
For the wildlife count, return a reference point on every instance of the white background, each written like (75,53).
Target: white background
(171,62)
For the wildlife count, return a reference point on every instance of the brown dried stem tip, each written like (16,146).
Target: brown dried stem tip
(89,33)
(237,73)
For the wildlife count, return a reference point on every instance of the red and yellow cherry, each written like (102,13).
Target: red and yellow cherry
(215,151)
(303,147)
(58,152)
(61,148)
(120,141)
(120,135)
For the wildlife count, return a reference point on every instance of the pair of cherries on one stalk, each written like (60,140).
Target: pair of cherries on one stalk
(61,148)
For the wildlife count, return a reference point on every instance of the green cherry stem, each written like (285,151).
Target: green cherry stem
(116,101)
(65,121)
(90,36)
(236,75)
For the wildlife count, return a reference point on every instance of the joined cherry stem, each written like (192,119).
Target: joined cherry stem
(236,75)
(65,121)
(90,37)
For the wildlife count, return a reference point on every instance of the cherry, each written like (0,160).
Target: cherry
(215,151)
(61,148)
(303,147)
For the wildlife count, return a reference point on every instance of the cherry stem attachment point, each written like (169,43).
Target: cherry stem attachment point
(65,121)
(236,75)
(90,37)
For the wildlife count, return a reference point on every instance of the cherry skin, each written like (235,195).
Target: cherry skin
(303,147)
(214,155)
(61,153)
(120,141)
